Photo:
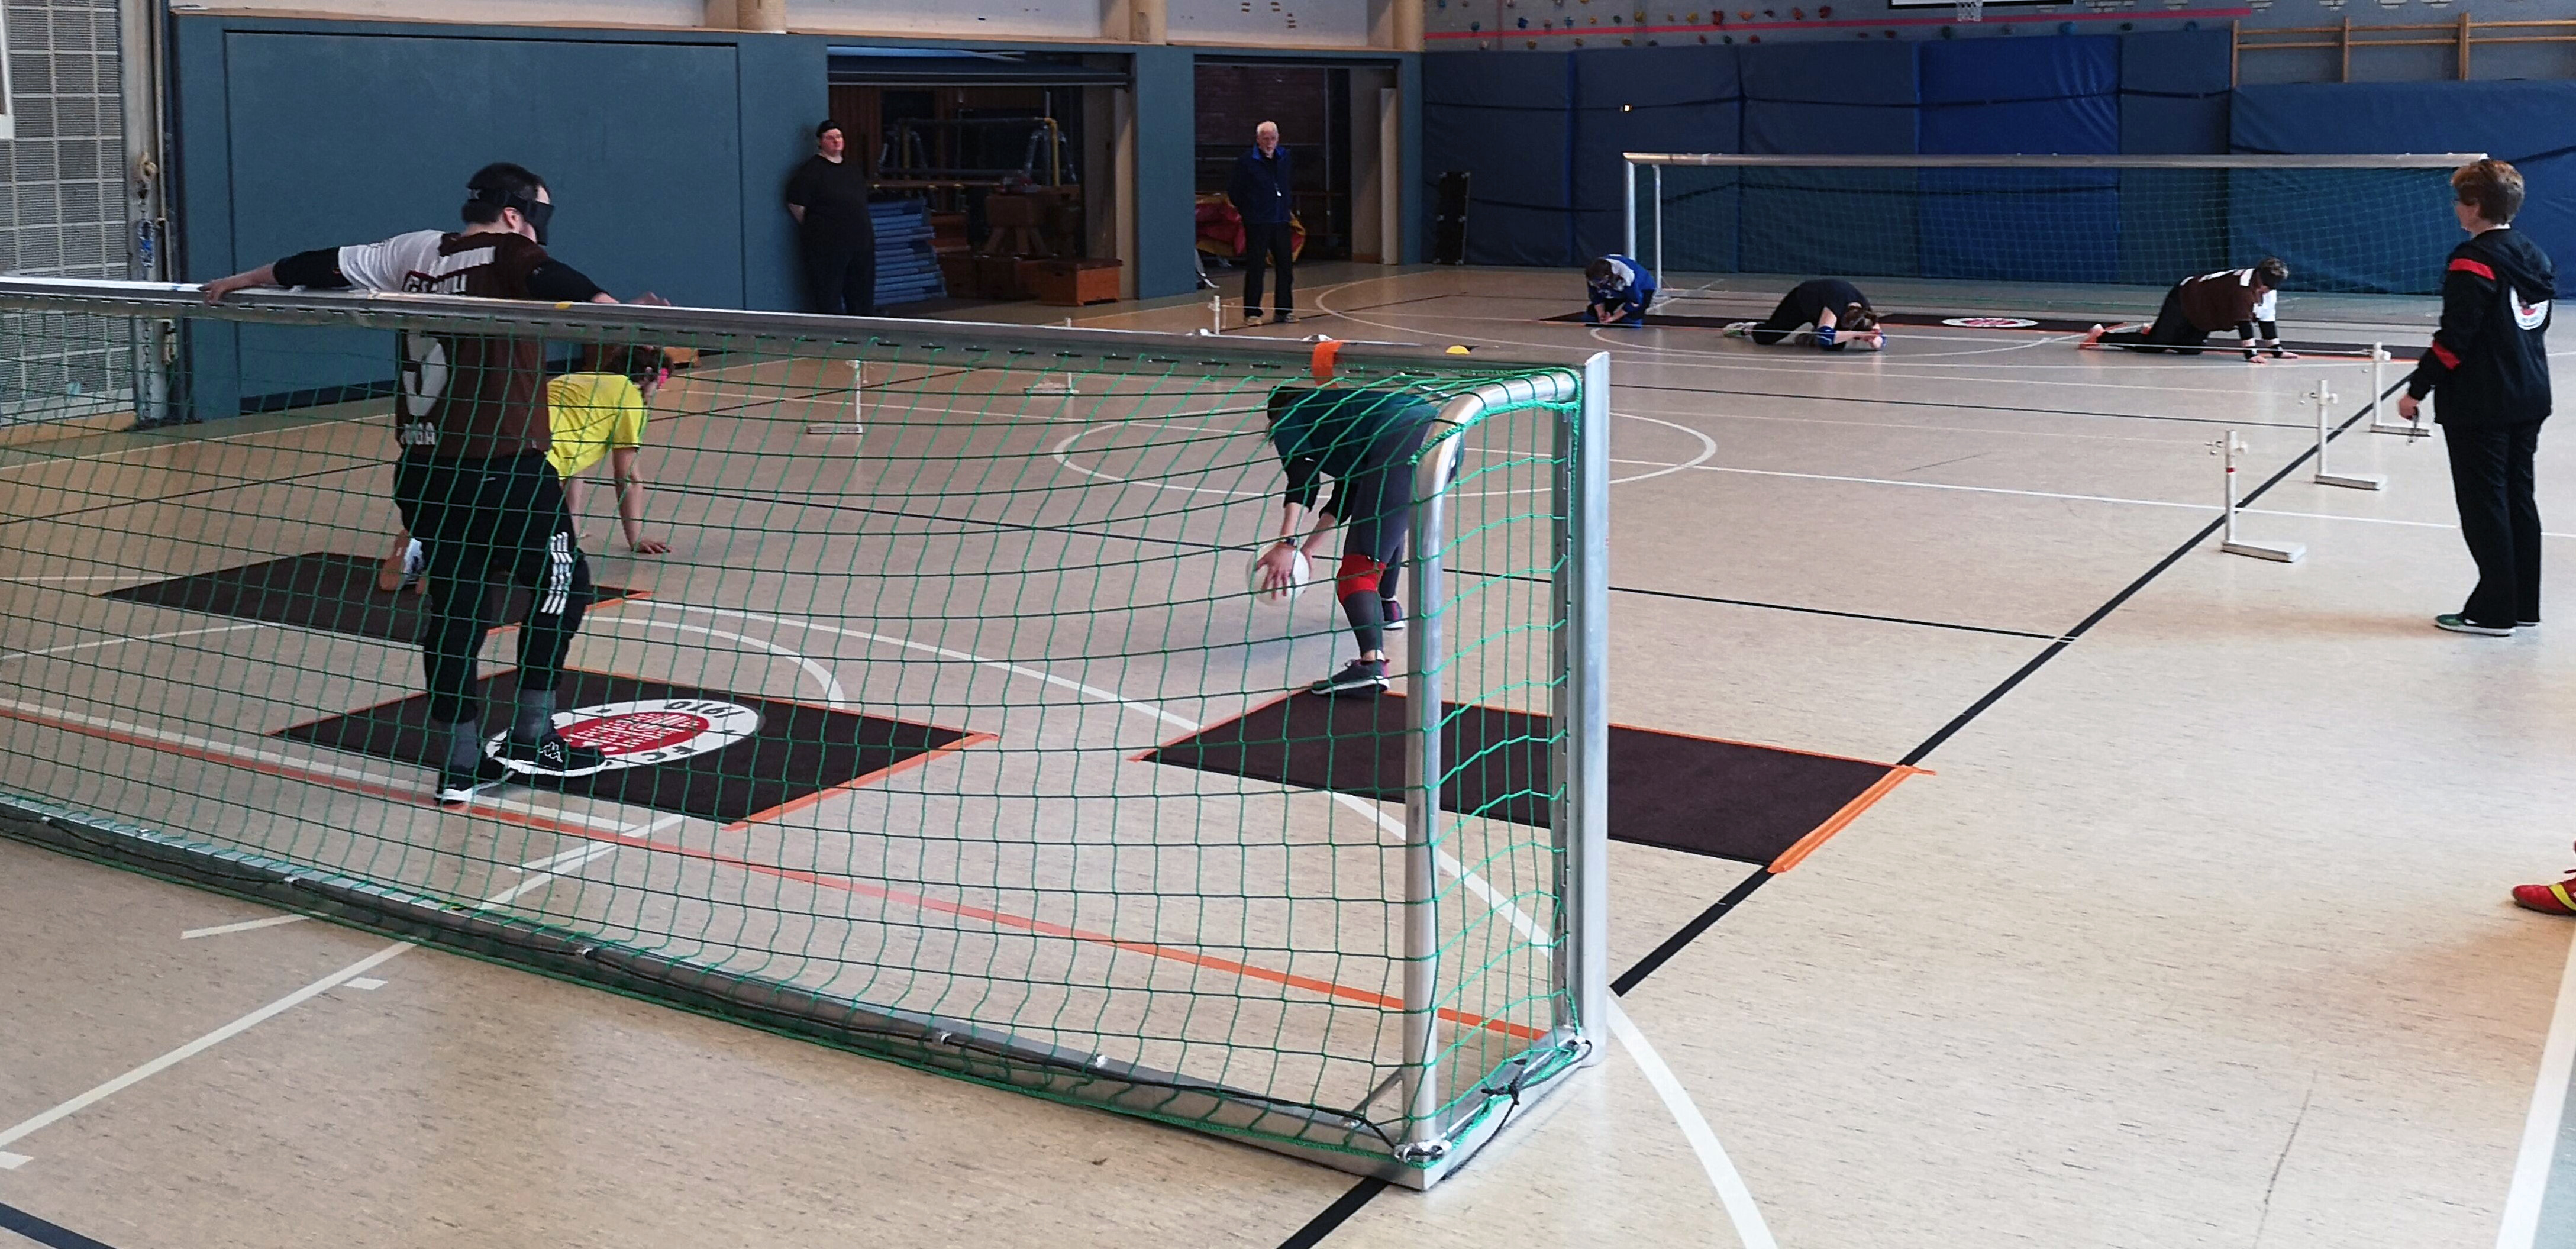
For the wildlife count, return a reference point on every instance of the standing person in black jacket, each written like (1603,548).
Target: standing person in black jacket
(828,196)
(2488,369)
(1259,189)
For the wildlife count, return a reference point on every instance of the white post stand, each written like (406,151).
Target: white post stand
(2324,396)
(2379,422)
(1050,386)
(852,427)
(2283,553)
(1216,314)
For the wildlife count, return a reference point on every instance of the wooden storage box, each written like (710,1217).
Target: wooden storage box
(998,277)
(958,272)
(1073,283)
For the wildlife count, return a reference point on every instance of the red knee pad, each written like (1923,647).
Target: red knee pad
(1358,575)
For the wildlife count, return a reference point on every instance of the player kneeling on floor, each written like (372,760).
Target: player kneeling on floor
(1841,314)
(1617,291)
(1367,441)
(2198,307)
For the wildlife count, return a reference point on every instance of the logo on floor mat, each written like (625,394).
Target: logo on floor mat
(653,730)
(1989,323)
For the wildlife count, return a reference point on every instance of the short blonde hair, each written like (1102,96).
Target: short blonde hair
(2494,186)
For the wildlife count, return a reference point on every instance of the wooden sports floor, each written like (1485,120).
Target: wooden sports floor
(2188,928)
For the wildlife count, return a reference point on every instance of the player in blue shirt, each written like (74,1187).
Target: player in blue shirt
(1619,291)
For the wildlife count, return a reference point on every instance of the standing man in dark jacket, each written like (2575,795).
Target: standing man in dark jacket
(828,196)
(2488,369)
(1259,190)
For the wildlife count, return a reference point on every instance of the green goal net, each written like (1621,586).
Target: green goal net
(2355,224)
(949,728)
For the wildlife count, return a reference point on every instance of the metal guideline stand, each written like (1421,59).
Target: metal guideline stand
(2379,423)
(852,427)
(2323,396)
(2282,553)
(1050,386)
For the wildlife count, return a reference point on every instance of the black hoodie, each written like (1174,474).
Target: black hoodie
(2489,362)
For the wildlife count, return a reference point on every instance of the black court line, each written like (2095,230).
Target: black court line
(1689,932)
(51,1235)
(1334,1215)
(243,484)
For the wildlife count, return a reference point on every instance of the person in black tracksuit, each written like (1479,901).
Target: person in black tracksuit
(2488,371)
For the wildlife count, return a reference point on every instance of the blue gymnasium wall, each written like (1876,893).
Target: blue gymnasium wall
(1541,132)
(2532,124)
(666,154)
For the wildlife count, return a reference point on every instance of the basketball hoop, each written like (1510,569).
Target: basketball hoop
(1972,10)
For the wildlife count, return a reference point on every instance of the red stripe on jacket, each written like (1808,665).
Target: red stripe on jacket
(2444,355)
(2466,265)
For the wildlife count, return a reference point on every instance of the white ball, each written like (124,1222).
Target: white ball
(1304,572)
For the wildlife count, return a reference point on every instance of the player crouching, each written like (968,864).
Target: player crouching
(1617,291)
(1367,441)
(1841,314)
(2198,307)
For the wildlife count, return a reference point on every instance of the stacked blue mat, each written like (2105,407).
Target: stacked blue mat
(907,265)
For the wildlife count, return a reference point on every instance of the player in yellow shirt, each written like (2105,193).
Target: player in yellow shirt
(595,414)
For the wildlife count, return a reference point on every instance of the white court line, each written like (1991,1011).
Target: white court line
(244,926)
(2520,1227)
(202,1044)
(1722,1175)
(565,862)
(1731,1191)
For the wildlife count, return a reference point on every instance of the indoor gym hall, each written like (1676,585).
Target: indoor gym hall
(2168,946)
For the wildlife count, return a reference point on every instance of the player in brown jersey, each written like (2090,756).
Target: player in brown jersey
(473,482)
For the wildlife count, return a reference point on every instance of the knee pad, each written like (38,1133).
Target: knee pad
(1358,575)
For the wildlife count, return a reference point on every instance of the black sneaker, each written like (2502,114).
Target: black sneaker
(551,755)
(1282,318)
(1392,611)
(1362,678)
(457,785)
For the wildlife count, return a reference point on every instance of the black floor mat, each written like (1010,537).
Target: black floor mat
(333,593)
(1723,799)
(1973,321)
(719,756)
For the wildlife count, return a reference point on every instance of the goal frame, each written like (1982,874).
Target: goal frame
(1433,1144)
(1657,161)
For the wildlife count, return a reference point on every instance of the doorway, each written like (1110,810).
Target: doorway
(1339,118)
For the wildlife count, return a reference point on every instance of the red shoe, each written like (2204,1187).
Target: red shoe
(2557,899)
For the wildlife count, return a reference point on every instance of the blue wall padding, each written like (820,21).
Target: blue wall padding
(2076,125)
(2001,96)
(264,109)
(1831,73)
(1829,99)
(1525,80)
(1679,99)
(2173,224)
(1830,222)
(1605,78)
(2160,125)
(1775,128)
(1984,71)
(1601,135)
(1507,118)
(2523,122)
(2014,225)
(2175,62)
(2173,92)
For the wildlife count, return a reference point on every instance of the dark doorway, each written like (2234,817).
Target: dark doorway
(1312,105)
